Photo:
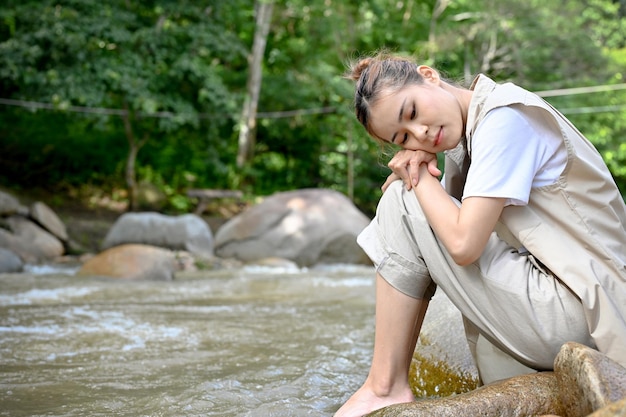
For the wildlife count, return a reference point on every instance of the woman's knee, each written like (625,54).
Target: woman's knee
(392,195)
(397,200)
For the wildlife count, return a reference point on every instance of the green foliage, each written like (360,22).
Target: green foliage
(154,58)
(40,149)
(181,68)
(601,116)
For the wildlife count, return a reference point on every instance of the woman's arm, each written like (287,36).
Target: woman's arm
(463,231)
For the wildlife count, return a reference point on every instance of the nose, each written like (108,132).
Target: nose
(420,132)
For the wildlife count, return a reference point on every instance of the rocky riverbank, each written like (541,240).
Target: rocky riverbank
(302,227)
(71,229)
(88,219)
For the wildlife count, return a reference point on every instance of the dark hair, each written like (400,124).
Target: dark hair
(380,73)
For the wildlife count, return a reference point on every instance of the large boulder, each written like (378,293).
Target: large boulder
(132,261)
(589,380)
(27,239)
(10,262)
(442,363)
(520,396)
(35,235)
(585,382)
(188,232)
(48,219)
(310,226)
(10,205)
(615,409)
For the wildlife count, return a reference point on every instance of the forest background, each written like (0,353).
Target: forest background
(100,98)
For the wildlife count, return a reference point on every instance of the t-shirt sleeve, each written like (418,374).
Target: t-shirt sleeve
(506,155)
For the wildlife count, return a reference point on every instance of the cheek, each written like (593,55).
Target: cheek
(454,138)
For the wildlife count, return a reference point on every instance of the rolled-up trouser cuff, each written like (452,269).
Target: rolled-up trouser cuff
(406,276)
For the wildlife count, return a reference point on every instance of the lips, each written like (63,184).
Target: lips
(438,137)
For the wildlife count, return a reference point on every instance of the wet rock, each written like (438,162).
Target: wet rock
(188,232)
(443,336)
(132,261)
(10,262)
(49,220)
(442,364)
(588,380)
(308,227)
(520,396)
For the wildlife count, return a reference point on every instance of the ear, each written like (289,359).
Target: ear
(429,74)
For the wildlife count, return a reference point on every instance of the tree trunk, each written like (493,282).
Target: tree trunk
(133,150)
(440,6)
(247,122)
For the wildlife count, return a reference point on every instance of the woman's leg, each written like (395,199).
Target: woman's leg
(398,322)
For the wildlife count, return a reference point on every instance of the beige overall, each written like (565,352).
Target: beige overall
(554,270)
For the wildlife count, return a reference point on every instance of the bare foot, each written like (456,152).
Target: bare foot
(364,401)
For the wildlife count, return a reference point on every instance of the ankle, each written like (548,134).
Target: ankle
(384,387)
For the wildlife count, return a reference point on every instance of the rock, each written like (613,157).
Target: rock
(132,261)
(10,262)
(15,245)
(33,235)
(588,380)
(28,240)
(188,232)
(442,338)
(10,205)
(616,409)
(48,219)
(584,381)
(524,395)
(308,227)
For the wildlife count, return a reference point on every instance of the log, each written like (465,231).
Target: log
(205,195)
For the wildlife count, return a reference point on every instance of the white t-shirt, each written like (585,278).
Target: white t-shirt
(513,152)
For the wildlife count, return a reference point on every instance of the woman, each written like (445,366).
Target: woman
(525,234)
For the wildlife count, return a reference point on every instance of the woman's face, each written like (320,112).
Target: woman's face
(424,117)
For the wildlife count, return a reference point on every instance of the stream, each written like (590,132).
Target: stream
(248,342)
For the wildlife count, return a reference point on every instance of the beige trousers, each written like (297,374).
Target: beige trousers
(517,314)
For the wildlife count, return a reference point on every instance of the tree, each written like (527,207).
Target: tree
(181,69)
(263,12)
(160,64)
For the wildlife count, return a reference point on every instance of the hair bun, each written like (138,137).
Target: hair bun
(357,68)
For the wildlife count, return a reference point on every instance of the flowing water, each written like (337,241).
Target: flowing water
(248,342)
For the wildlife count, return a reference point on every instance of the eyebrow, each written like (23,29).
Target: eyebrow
(393,138)
(401,111)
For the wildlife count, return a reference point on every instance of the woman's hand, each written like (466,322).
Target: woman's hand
(405,166)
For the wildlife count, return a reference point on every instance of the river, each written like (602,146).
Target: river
(255,341)
(245,342)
